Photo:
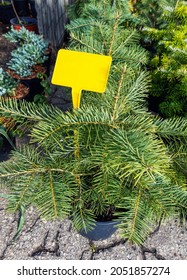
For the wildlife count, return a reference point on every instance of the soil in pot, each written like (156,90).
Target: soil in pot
(22,91)
(35,70)
(32,81)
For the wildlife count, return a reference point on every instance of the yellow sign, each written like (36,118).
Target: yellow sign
(81,71)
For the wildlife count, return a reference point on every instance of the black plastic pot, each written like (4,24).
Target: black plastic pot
(35,88)
(22,7)
(47,63)
(6,13)
(102,230)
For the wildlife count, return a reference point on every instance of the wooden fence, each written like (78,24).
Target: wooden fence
(52,17)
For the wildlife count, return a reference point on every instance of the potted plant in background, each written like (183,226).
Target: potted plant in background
(29,22)
(11,88)
(30,58)
(6,11)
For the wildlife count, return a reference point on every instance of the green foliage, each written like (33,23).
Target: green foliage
(90,8)
(105,28)
(76,7)
(124,161)
(7,84)
(24,58)
(109,154)
(169,62)
(24,36)
(42,97)
(150,12)
(5,135)
(31,50)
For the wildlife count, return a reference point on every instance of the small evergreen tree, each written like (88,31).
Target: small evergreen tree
(149,11)
(125,161)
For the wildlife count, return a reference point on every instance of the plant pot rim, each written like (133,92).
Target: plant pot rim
(36,70)
(22,90)
(101,231)
(113,222)
(27,20)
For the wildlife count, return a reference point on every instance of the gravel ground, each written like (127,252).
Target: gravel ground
(57,240)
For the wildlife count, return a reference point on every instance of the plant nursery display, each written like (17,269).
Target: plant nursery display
(22,16)
(30,52)
(29,61)
(27,22)
(111,159)
(18,13)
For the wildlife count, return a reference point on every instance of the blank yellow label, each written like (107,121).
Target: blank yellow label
(81,71)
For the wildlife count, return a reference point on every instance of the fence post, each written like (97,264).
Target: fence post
(51,15)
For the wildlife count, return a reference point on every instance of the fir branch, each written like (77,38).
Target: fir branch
(116,22)
(116,97)
(134,220)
